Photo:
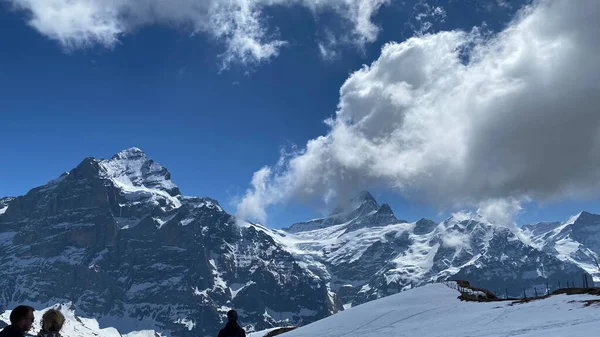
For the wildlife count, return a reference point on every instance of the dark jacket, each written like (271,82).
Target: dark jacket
(44,333)
(232,329)
(11,331)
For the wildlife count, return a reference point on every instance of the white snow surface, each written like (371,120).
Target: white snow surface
(435,311)
(2,210)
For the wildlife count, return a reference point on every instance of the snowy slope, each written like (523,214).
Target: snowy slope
(576,240)
(435,311)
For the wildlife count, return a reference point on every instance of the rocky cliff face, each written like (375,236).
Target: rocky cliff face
(116,238)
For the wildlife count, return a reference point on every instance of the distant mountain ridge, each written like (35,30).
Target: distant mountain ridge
(366,260)
(362,211)
(118,240)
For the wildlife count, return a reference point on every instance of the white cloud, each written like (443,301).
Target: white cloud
(456,240)
(240,24)
(425,17)
(500,211)
(328,46)
(516,119)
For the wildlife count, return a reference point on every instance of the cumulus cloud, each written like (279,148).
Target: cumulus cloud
(240,24)
(500,211)
(456,240)
(458,118)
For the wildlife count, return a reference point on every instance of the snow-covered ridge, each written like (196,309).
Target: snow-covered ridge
(363,258)
(575,240)
(361,211)
(140,177)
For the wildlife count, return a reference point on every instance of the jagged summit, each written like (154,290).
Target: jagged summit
(364,203)
(130,153)
(364,196)
(359,212)
(586,219)
(131,169)
(385,209)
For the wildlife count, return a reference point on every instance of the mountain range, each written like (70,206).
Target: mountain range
(116,240)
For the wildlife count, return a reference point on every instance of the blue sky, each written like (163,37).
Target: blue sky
(163,90)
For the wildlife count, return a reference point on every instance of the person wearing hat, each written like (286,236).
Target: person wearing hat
(232,328)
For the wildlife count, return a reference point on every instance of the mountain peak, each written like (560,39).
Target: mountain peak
(424,226)
(577,218)
(583,218)
(364,196)
(385,209)
(130,153)
(132,170)
(362,203)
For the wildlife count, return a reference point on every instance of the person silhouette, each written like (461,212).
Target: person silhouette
(232,328)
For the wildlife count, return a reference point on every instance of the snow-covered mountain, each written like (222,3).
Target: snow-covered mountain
(576,240)
(364,252)
(117,239)
(362,211)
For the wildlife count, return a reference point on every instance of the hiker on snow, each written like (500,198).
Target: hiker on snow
(21,320)
(52,322)
(232,328)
